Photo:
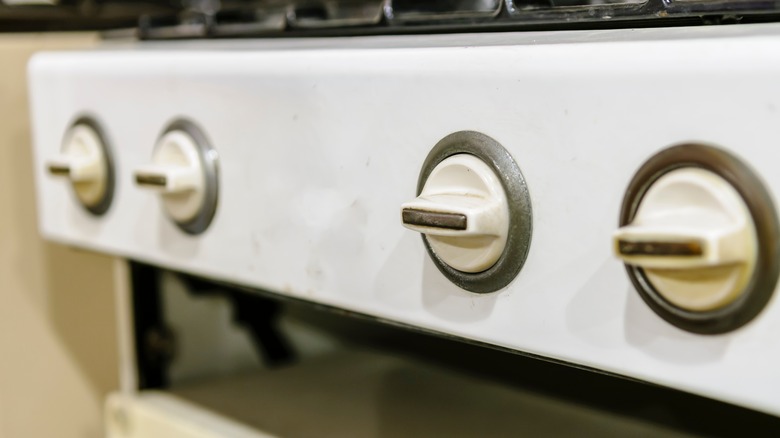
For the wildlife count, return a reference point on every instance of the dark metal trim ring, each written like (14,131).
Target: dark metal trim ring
(520,215)
(209,161)
(761,207)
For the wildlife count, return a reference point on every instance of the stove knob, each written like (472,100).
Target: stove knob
(85,162)
(694,238)
(463,212)
(700,238)
(183,173)
(473,209)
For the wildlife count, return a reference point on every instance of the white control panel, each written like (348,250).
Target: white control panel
(314,145)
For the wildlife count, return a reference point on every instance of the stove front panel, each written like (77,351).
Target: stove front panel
(319,142)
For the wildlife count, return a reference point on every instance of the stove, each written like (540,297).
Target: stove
(603,198)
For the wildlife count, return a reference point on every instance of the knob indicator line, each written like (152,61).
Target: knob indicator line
(59,169)
(657,248)
(432,219)
(151,180)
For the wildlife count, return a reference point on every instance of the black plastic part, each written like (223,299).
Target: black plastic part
(762,209)
(154,344)
(430,17)
(260,316)
(171,19)
(257,314)
(520,215)
(81,15)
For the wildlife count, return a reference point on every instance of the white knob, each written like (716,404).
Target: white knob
(694,238)
(177,174)
(463,212)
(83,161)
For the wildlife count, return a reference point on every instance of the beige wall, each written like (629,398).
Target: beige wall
(58,355)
